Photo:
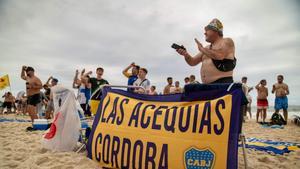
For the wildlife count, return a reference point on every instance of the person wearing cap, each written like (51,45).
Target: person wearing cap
(218,58)
(33,87)
(50,103)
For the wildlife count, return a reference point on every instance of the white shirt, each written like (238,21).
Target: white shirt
(143,83)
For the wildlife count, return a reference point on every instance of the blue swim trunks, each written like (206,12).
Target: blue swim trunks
(281,103)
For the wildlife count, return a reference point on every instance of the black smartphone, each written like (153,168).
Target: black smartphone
(176,46)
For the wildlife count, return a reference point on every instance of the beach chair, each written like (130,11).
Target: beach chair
(84,131)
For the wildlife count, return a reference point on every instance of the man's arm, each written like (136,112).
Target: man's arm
(165,90)
(75,80)
(287,90)
(250,89)
(257,86)
(125,71)
(273,89)
(48,81)
(220,54)
(192,61)
(88,74)
(23,76)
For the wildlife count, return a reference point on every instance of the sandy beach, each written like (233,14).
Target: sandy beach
(21,149)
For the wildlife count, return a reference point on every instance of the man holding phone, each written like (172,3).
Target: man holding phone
(218,58)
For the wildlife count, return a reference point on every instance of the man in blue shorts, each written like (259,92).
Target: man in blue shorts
(281,91)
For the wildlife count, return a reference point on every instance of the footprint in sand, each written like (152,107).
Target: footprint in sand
(57,167)
(41,150)
(20,157)
(41,160)
(264,159)
(282,158)
(7,149)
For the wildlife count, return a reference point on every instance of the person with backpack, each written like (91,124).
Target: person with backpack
(143,82)
(281,91)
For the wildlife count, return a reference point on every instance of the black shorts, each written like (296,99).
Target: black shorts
(34,99)
(223,80)
(7,105)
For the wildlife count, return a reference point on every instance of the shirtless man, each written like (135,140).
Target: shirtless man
(33,87)
(262,101)
(281,91)
(176,89)
(220,49)
(9,101)
(169,85)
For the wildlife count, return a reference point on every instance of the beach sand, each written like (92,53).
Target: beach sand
(21,149)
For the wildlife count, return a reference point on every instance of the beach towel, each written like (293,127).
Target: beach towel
(272,126)
(272,147)
(65,129)
(12,120)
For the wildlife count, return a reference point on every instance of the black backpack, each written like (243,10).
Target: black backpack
(277,119)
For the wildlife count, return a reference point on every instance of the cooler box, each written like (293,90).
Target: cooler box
(40,124)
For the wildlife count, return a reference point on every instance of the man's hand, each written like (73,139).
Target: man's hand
(182,52)
(132,64)
(82,72)
(200,46)
(273,88)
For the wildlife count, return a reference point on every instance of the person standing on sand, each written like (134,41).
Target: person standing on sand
(50,103)
(33,87)
(142,81)
(168,86)
(9,101)
(96,83)
(133,76)
(218,58)
(281,91)
(262,101)
(247,90)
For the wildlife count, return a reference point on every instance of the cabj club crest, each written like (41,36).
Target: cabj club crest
(199,158)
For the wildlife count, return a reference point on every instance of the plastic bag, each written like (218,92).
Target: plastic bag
(65,129)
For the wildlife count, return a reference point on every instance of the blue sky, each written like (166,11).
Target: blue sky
(57,37)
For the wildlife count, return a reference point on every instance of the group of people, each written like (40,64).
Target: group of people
(217,65)
(280,89)
(140,84)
